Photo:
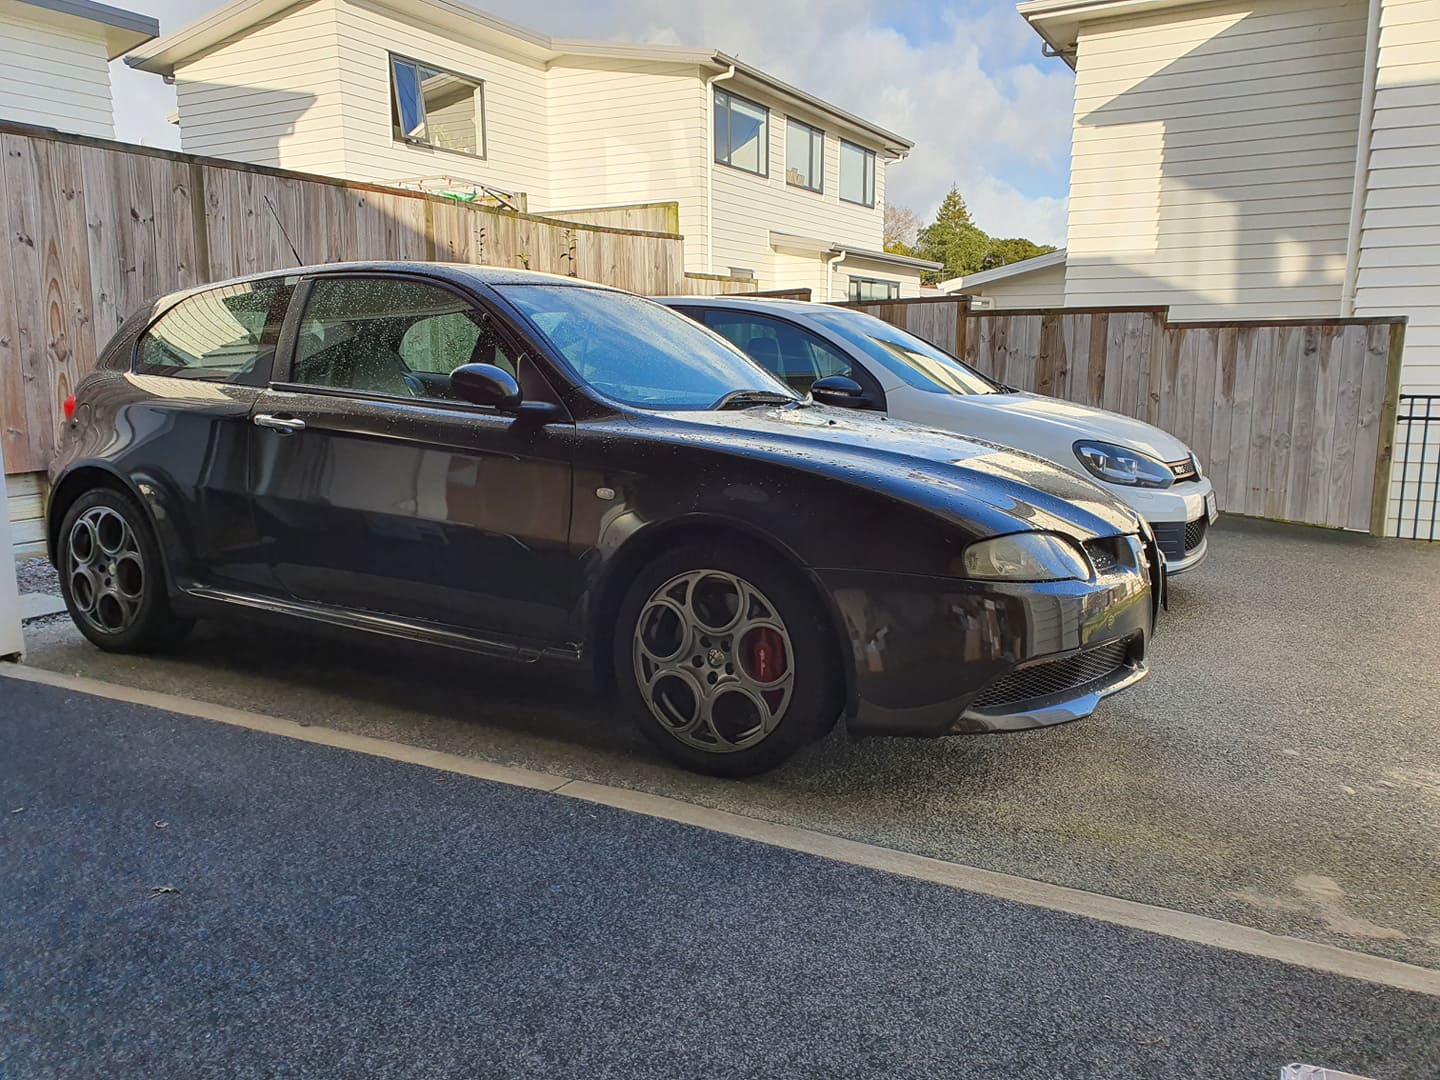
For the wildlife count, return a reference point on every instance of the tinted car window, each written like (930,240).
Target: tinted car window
(789,351)
(222,335)
(390,336)
(634,350)
(912,359)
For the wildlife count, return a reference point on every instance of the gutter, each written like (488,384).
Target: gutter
(830,265)
(710,166)
(1363,140)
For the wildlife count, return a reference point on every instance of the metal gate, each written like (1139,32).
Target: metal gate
(1415,483)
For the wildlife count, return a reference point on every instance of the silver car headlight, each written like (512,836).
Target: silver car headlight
(1117,464)
(1032,556)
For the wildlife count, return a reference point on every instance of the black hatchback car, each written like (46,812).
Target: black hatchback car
(531,467)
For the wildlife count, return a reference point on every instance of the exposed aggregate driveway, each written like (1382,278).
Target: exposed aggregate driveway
(1280,768)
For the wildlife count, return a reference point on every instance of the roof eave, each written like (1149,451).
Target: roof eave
(1009,270)
(121,30)
(1058,21)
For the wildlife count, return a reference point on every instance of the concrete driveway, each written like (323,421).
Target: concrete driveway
(185,898)
(1278,769)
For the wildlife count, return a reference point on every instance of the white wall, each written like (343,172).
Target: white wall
(517,154)
(749,207)
(792,270)
(1400,242)
(1213,158)
(630,132)
(54,76)
(1036,289)
(270,97)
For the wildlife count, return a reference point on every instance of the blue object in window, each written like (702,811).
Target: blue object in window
(408,100)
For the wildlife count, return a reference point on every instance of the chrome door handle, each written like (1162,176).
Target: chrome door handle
(279,423)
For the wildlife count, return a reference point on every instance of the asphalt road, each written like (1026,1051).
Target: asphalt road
(181,898)
(1278,769)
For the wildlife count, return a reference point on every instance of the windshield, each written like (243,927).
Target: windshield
(637,352)
(910,358)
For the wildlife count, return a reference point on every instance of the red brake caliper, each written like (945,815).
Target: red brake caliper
(766,659)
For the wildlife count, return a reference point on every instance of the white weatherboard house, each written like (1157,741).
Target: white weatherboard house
(1037,282)
(769,179)
(55,62)
(1262,159)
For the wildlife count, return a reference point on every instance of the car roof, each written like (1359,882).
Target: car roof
(771,305)
(458,273)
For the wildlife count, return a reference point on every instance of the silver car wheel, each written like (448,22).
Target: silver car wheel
(713,660)
(105,571)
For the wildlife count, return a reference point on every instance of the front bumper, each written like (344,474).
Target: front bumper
(942,656)
(1179,517)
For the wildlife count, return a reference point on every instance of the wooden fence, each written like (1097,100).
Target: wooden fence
(1292,419)
(92,228)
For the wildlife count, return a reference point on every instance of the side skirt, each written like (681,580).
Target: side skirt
(386,626)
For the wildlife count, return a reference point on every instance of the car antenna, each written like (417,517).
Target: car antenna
(283,233)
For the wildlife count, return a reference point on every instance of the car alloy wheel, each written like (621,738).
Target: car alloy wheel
(106,570)
(713,661)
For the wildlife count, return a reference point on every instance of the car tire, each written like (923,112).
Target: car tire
(112,576)
(726,660)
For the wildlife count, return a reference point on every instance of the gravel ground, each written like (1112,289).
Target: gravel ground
(38,576)
(1278,768)
(182,898)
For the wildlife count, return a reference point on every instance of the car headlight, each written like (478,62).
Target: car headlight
(1122,465)
(1033,556)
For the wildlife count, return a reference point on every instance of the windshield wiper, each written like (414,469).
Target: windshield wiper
(746,399)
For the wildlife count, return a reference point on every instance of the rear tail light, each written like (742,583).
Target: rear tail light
(69,406)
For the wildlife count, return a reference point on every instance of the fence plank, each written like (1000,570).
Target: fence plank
(1242,400)
(32,413)
(1215,451)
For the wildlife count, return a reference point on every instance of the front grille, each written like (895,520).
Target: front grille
(1195,533)
(1055,677)
(1184,470)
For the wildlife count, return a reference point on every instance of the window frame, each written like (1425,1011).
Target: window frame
(764,169)
(892,287)
(869,384)
(396,135)
(871,165)
(264,369)
(814,132)
(290,334)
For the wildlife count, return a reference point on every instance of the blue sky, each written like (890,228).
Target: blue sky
(963,78)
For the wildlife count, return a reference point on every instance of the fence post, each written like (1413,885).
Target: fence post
(199,223)
(1159,323)
(1385,447)
(962,326)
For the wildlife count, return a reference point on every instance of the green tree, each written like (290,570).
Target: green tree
(1003,252)
(953,238)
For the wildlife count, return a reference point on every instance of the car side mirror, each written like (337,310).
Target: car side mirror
(486,384)
(840,390)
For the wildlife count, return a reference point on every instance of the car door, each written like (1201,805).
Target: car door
(199,367)
(795,354)
(381,494)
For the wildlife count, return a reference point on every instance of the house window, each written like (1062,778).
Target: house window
(857,174)
(804,156)
(437,108)
(742,130)
(864,288)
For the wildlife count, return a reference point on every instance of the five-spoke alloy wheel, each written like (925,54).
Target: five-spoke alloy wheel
(105,570)
(726,658)
(111,575)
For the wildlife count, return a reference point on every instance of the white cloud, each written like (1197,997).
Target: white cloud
(975,124)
